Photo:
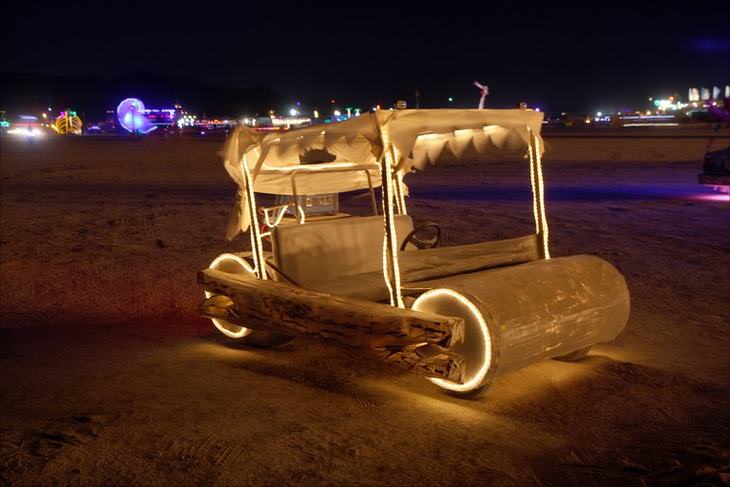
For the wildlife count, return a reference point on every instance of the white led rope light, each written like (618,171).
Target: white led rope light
(219,323)
(541,199)
(477,379)
(538,191)
(257,248)
(391,239)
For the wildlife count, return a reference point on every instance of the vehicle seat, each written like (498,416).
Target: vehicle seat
(325,250)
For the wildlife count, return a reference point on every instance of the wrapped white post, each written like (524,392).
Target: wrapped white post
(522,314)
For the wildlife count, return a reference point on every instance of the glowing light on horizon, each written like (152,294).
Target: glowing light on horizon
(131,116)
(714,197)
(26,131)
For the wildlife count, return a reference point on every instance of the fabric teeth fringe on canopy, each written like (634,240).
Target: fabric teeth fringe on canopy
(416,137)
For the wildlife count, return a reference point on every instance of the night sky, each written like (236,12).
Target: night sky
(557,55)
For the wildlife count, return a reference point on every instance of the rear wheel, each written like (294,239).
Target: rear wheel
(579,354)
(235,264)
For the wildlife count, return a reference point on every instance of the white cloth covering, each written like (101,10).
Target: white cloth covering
(417,137)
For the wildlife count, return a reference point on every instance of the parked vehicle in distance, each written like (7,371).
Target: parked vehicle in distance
(716,170)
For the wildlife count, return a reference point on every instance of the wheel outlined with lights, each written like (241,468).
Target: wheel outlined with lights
(478,346)
(233,264)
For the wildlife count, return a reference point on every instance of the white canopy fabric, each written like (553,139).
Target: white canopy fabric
(417,137)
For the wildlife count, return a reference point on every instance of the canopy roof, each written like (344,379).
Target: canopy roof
(415,136)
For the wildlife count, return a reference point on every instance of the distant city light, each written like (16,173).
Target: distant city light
(293,112)
(293,121)
(337,113)
(26,131)
(451,99)
(188,120)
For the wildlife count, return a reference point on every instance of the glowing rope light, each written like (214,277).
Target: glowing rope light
(386,268)
(541,198)
(256,247)
(393,239)
(478,378)
(538,191)
(223,326)
(390,237)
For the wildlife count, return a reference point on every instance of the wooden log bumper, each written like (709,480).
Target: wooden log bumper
(410,339)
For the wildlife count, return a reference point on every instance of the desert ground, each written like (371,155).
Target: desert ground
(109,377)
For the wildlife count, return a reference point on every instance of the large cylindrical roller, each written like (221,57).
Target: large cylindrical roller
(521,314)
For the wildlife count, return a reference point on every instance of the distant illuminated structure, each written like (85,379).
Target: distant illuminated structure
(131,116)
(68,122)
(160,116)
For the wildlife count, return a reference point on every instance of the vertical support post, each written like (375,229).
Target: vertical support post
(257,249)
(391,270)
(538,193)
(373,202)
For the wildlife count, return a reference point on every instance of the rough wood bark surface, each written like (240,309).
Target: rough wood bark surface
(391,334)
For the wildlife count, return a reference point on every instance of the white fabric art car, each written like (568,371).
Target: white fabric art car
(460,315)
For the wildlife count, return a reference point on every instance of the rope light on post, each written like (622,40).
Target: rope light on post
(257,248)
(391,270)
(538,191)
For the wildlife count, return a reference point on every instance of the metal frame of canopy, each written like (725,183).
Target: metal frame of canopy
(465,327)
(311,170)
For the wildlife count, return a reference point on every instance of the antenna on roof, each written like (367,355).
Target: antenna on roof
(484,89)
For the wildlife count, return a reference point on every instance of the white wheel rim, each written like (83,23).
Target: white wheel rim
(476,379)
(230,260)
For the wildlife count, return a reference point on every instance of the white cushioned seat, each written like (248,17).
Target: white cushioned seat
(344,257)
(321,250)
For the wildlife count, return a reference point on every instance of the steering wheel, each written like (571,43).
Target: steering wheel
(423,243)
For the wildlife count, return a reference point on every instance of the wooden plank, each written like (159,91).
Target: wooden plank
(392,334)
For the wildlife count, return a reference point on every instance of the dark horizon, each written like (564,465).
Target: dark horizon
(571,57)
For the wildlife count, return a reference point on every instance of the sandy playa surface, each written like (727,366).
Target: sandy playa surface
(108,377)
